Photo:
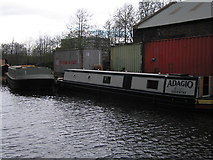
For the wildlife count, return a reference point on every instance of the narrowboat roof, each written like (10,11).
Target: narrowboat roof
(21,66)
(131,73)
(107,72)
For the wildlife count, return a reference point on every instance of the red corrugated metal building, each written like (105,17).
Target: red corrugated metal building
(183,56)
(178,39)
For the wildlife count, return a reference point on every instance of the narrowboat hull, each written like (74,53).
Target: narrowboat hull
(145,97)
(30,84)
(4,69)
(181,91)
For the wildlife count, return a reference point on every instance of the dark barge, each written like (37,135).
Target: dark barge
(30,77)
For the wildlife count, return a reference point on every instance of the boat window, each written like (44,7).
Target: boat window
(152,84)
(107,79)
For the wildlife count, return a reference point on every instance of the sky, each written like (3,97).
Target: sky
(26,20)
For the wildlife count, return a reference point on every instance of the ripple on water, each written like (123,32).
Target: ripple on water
(64,126)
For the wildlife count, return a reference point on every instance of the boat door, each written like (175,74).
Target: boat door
(127,82)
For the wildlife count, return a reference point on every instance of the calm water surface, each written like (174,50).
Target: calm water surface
(68,126)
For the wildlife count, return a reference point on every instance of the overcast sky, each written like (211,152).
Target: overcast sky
(23,20)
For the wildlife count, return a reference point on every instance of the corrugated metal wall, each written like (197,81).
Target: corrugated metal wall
(126,57)
(76,59)
(67,59)
(91,57)
(184,56)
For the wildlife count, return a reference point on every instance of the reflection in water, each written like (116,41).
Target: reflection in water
(82,126)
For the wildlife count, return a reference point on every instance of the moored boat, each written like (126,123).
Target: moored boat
(28,77)
(178,90)
(3,70)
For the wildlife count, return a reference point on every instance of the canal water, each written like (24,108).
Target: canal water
(89,126)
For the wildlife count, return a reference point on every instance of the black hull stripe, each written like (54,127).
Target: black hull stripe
(119,89)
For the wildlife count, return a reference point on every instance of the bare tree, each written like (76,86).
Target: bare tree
(13,48)
(6,48)
(55,42)
(108,29)
(149,7)
(45,44)
(79,25)
(29,46)
(120,28)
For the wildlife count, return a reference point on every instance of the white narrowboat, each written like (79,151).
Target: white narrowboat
(28,77)
(178,90)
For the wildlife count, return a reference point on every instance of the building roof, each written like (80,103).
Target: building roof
(178,13)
